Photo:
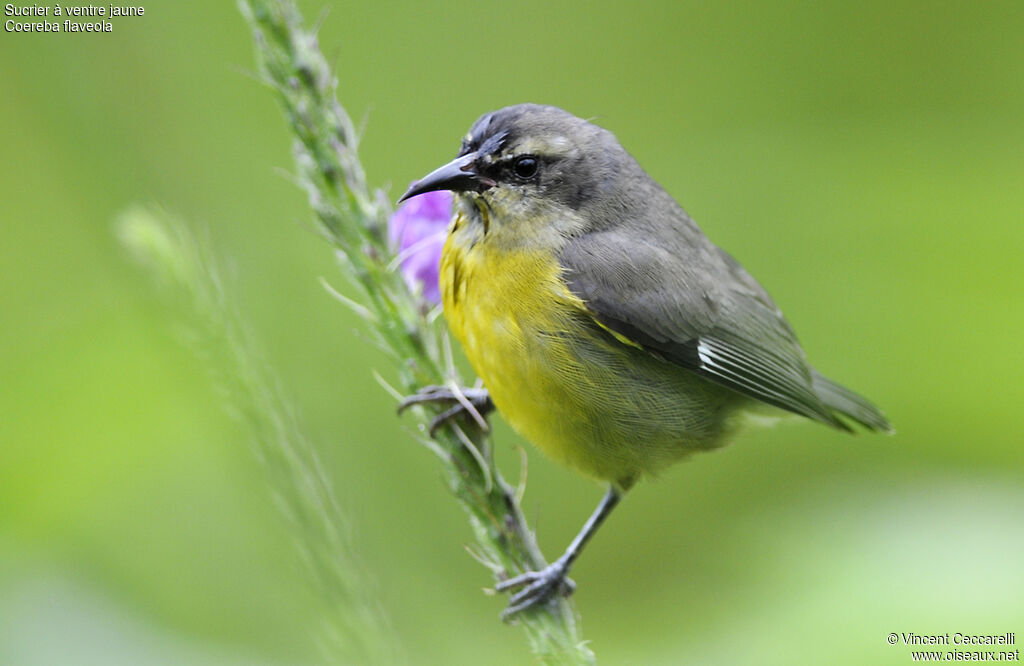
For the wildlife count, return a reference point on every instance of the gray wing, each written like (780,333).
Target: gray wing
(677,295)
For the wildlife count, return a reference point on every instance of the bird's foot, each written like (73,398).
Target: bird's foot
(538,587)
(474,402)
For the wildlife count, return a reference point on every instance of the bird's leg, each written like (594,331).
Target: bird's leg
(539,586)
(474,402)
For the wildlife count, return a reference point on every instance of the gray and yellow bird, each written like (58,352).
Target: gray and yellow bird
(607,329)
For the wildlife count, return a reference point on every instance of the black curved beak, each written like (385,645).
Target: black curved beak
(459,175)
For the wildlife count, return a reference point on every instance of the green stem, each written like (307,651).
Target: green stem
(354,220)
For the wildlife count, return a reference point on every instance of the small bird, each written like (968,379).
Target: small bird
(606,327)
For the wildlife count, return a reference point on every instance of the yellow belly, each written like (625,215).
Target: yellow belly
(585,398)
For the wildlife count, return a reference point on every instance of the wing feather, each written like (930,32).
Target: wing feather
(683,299)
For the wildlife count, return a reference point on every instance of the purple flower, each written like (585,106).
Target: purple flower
(418,229)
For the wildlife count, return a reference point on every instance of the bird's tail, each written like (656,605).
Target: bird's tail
(847,403)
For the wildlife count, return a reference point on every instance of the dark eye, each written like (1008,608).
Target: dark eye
(525,167)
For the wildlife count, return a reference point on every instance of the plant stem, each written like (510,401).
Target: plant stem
(354,220)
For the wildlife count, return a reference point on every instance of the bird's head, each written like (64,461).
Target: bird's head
(531,166)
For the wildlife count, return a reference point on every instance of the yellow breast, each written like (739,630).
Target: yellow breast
(507,308)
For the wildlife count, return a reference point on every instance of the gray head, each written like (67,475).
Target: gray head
(528,155)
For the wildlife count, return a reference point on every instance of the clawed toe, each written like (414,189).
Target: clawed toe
(426,394)
(537,588)
(473,401)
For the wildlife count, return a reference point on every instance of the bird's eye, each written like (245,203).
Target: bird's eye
(525,167)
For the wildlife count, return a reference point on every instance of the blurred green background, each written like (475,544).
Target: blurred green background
(864,160)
